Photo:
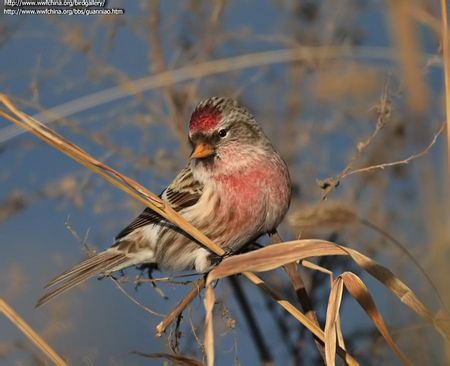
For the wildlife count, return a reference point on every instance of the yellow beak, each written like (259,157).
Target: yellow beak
(202,150)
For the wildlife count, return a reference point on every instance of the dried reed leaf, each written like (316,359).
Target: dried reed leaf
(334,304)
(209,327)
(358,290)
(30,333)
(297,314)
(276,255)
(316,267)
(387,278)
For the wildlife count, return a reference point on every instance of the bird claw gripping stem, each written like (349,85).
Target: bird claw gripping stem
(215,259)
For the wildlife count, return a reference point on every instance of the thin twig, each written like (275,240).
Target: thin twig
(179,308)
(398,162)
(383,109)
(148,310)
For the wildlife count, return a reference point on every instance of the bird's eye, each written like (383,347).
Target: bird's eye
(222,132)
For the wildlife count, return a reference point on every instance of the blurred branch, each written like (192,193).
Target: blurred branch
(203,69)
(409,52)
(30,333)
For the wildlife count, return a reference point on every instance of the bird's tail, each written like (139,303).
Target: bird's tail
(102,263)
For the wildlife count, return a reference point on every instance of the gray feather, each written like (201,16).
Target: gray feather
(102,263)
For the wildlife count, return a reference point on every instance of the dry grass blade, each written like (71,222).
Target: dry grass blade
(297,314)
(315,267)
(387,278)
(209,301)
(356,287)
(30,333)
(331,324)
(276,255)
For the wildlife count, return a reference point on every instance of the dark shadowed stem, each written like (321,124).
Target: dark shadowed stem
(179,308)
(302,295)
(281,323)
(257,335)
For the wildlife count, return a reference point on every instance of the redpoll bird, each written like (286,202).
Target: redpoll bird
(235,188)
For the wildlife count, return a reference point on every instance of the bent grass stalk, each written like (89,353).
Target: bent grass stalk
(23,326)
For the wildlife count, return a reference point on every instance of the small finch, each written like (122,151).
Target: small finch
(235,188)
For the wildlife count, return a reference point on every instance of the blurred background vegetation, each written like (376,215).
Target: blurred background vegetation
(338,86)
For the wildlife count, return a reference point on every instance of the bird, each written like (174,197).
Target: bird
(235,188)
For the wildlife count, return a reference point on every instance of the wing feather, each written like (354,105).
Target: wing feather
(183,192)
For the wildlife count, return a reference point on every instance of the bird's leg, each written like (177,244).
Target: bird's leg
(215,259)
(149,268)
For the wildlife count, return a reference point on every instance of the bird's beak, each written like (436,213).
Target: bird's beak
(202,150)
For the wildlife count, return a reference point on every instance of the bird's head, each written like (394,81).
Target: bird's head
(222,129)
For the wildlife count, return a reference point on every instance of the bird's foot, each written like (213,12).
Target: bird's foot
(215,259)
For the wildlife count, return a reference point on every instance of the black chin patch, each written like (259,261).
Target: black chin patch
(208,160)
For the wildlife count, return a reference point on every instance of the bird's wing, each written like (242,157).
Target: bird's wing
(183,192)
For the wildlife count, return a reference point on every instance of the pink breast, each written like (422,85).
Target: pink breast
(245,199)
